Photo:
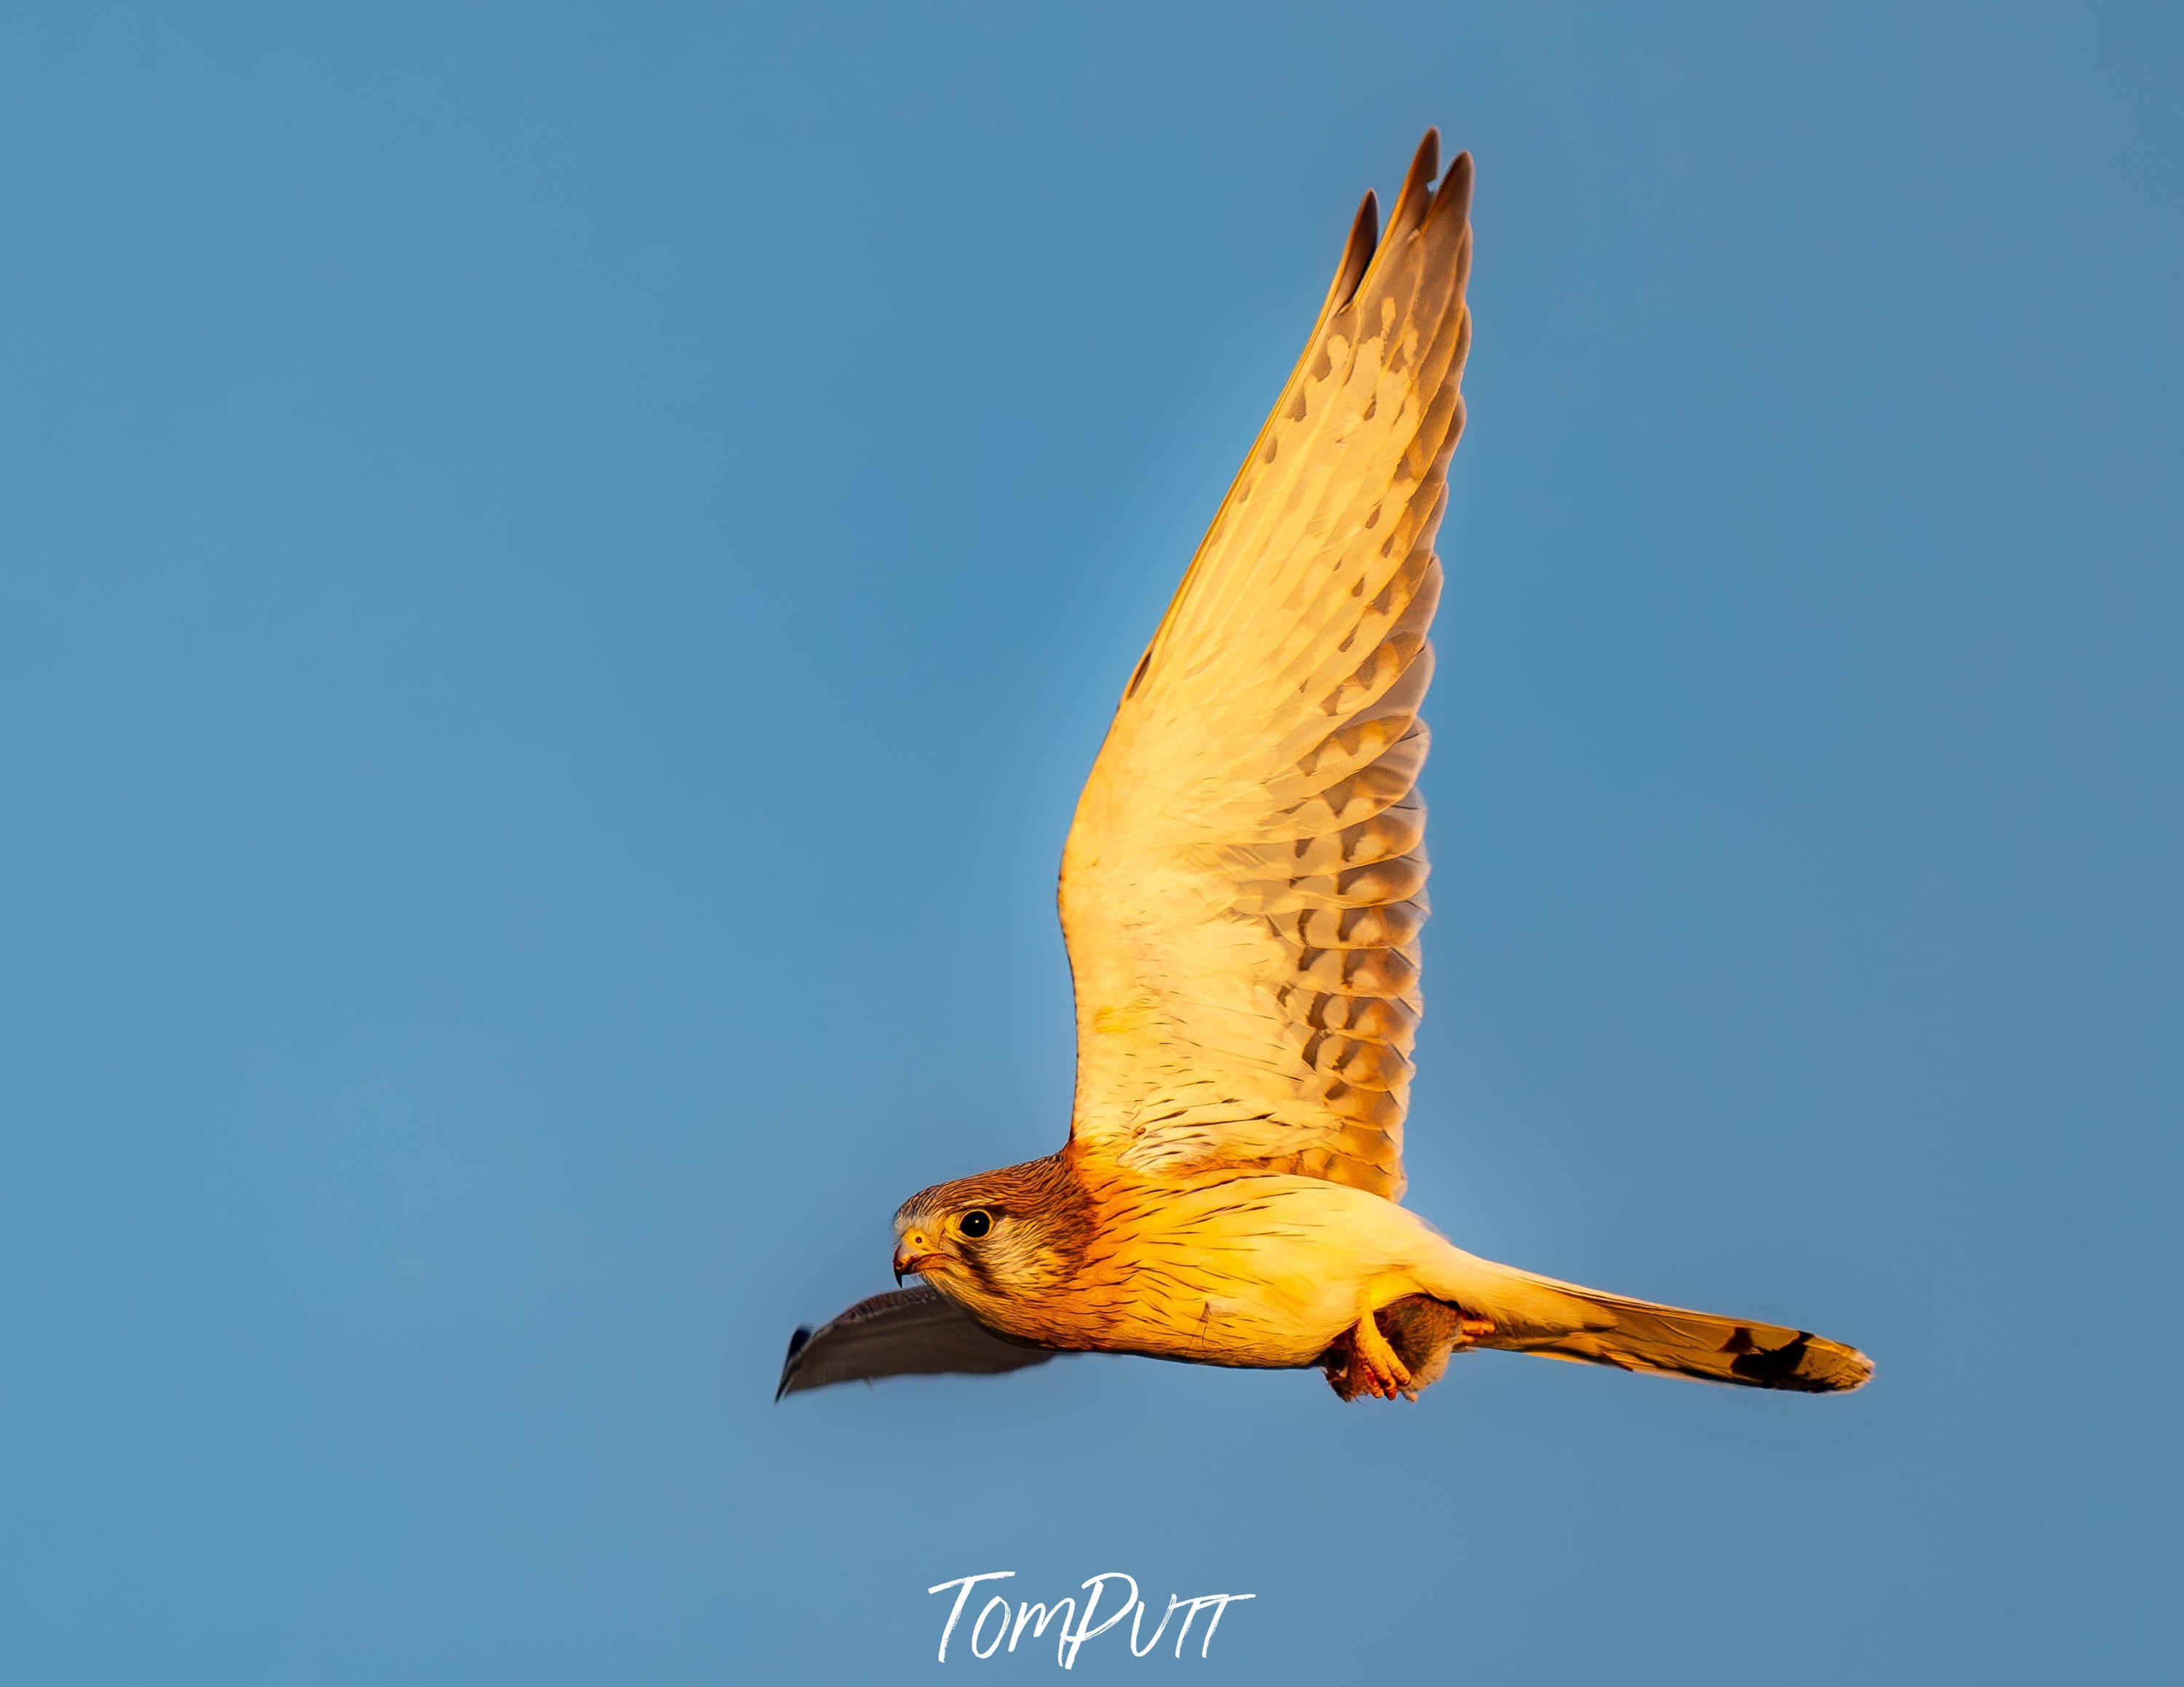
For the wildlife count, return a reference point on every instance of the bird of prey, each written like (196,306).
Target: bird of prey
(1241,893)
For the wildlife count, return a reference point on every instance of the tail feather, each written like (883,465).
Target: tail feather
(1566,1320)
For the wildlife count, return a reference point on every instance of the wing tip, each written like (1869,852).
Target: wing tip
(1452,197)
(1356,253)
(1417,202)
(1425,162)
(797,1344)
(1414,199)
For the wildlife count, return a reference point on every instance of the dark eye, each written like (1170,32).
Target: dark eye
(976,1222)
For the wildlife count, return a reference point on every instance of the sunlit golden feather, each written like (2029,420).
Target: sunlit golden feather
(1243,885)
(1242,894)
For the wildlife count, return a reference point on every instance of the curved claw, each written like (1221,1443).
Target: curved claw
(1384,1375)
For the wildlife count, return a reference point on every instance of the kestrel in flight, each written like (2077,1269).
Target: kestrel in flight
(1241,893)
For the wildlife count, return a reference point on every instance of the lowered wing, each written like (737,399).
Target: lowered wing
(904,1332)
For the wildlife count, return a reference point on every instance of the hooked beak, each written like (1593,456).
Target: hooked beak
(912,1255)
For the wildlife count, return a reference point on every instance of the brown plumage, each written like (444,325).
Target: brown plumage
(1242,893)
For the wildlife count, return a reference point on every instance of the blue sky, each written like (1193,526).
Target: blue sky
(561,569)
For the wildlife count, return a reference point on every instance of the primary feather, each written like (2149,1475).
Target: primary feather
(1243,887)
(1242,893)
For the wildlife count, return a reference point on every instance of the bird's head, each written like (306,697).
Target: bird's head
(997,1237)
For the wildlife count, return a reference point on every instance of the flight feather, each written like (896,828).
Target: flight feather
(1243,884)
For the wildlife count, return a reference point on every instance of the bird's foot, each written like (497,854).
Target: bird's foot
(1374,1368)
(1422,1331)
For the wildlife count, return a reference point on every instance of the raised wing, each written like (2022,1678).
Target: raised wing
(1242,888)
(904,1332)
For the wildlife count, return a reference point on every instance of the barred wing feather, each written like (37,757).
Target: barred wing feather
(1243,884)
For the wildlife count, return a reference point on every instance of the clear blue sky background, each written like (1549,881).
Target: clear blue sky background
(561,569)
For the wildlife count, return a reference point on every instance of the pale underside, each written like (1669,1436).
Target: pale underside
(1242,894)
(1242,888)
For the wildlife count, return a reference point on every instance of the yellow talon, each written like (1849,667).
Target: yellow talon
(1385,1376)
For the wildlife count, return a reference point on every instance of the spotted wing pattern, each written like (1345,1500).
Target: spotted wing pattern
(1243,884)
